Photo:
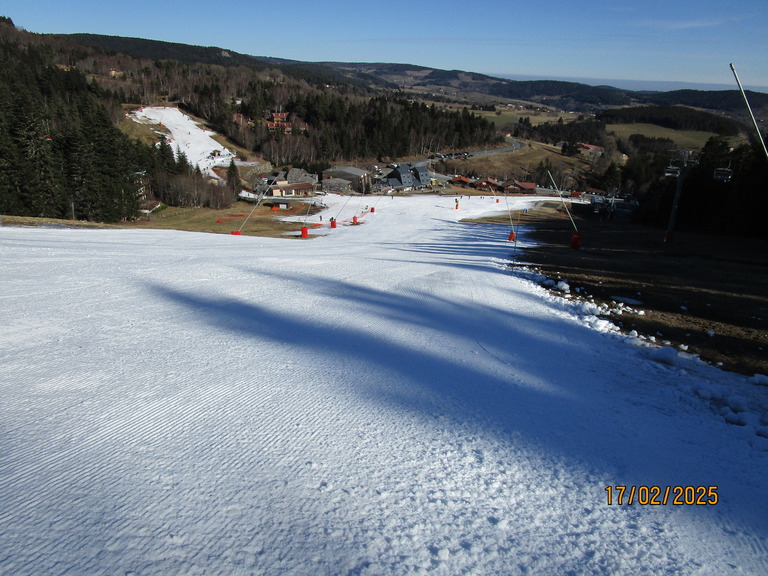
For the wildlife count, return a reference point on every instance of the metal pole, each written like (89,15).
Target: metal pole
(759,135)
(563,201)
(678,191)
(259,198)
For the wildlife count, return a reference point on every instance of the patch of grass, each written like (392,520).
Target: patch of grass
(510,115)
(145,133)
(684,139)
(264,222)
(518,163)
(53,222)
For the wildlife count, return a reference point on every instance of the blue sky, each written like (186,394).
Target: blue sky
(683,41)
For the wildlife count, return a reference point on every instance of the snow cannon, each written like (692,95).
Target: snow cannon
(576,240)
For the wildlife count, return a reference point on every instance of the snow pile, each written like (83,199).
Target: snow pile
(665,355)
(385,398)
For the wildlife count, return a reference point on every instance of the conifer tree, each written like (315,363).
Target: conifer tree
(233,180)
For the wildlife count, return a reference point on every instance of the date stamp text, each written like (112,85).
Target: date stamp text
(662,495)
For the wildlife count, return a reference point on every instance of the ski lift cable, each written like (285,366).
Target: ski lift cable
(512,224)
(754,121)
(360,203)
(378,200)
(563,201)
(342,208)
(256,205)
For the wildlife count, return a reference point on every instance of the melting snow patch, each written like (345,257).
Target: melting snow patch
(624,300)
(589,308)
(600,324)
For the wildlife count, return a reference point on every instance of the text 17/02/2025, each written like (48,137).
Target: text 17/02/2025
(662,495)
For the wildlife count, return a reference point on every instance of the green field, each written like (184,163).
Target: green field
(263,222)
(510,115)
(517,164)
(684,139)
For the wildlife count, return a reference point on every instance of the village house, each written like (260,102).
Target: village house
(400,178)
(358,179)
(510,187)
(279,123)
(488,184)
(526,187)
(590,150)
(291,189)
(421,176)
(336,185)
(241,120)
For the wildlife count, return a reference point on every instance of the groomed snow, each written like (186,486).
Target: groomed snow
(387,398)
(187,136)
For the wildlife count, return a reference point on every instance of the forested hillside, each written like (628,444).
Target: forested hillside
(59,151)
(62,154)
(332,116)
(188,54)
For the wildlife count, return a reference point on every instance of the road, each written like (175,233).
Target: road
(513,145)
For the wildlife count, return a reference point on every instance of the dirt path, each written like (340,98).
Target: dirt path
(706,292)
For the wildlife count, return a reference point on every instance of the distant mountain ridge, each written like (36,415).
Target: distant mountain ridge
(408,77)
(190,54)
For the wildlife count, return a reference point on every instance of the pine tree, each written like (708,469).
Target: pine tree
(233,180)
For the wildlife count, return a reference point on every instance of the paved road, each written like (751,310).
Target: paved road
(513,145)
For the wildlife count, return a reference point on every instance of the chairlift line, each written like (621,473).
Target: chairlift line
(754,121)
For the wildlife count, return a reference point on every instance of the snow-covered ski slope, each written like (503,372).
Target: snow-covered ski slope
(185,135)
(386,398)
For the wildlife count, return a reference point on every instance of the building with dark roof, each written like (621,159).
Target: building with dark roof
(401,177)
(359,180)
(421,175)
